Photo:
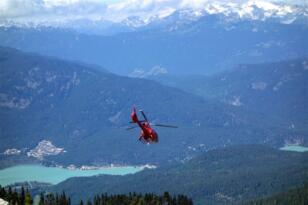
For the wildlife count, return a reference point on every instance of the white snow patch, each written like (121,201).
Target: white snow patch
(12,151)
(154,71)
(32,84)
(283,80)
(65,13)
(305,65)
(75,80)
(110,101)
(289,21)
(13,102)
(191,148)
(276,87)
(137,73)
(50,78)
(291,126)
(157,70)
(44,148)
(255,30)
(20,87)
(259,85)
(236,101)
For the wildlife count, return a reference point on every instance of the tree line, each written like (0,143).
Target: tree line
(23,197)
(14,197)
(297,196)
(139,199)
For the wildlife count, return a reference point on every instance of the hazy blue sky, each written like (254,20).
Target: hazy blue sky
(111,1)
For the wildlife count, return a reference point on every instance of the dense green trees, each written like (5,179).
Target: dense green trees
(23,197)
(54,199)
(298,196)
(230,175)
(139,199)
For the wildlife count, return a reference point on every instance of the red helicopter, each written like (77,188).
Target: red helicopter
(147,134)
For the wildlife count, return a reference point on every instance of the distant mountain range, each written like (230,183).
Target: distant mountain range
(225,176)
(83,109)
(164,15)
(232,75)
(187,41)
(277,89)
(228,11)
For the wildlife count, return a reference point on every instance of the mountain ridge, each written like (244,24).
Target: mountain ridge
(212,45)
(230,175)
(75,108)
(276,88)
(136,20)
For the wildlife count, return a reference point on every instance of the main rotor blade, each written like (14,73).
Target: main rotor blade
(131,122)
(161,125)
(130,128)
(146,119)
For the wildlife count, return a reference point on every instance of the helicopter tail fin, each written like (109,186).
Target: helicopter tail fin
(133,115)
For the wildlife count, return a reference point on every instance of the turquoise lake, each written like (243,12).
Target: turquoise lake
(294,148)
(54,175)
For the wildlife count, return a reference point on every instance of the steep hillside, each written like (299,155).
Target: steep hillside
(294,196)
(277,89)
(229,175)
(81,109)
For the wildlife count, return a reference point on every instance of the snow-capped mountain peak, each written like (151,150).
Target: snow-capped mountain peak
(133,14)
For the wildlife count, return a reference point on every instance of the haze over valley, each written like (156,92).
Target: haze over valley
(231,75)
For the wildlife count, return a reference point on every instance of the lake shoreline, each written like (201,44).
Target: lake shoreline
(92,167)
(82,167)
(52,174)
